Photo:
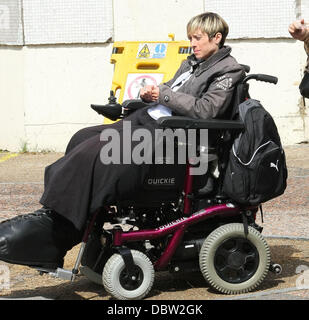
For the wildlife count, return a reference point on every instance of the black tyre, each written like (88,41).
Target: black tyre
(232,263)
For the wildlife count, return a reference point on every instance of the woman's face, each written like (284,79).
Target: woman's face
(202,46)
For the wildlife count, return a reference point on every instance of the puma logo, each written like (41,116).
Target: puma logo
(272,165)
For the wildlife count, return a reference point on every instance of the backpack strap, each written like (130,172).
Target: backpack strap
(261,213)
(245,223)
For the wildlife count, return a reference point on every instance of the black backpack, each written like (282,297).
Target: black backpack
(256,170)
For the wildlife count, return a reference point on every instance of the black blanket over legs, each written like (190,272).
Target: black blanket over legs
(79,183)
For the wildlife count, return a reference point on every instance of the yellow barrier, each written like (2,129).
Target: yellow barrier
(137,64)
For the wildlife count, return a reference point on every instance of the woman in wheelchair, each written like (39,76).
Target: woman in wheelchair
(78,185)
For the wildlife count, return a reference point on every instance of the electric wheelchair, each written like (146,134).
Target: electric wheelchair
(187,226)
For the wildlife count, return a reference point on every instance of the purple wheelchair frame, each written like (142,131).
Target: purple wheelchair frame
(177,227)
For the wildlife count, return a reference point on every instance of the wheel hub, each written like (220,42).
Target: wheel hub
(236,260)
(131,282)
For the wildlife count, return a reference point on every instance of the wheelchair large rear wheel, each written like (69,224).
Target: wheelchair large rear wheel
(117,282)
(232,263)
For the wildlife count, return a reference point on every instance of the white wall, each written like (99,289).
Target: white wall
(46,91)
(60,83)
(138,20)
(11,98)
(284,59)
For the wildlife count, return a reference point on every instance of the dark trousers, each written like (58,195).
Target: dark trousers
(78,184)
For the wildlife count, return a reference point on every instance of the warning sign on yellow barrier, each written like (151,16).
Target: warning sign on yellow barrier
(152,50)
(136,81)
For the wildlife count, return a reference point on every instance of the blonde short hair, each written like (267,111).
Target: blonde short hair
(209,23)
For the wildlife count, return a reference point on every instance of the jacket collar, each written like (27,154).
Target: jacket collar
(202,65)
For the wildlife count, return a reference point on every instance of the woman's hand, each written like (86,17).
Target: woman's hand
(298,30)
(149,93)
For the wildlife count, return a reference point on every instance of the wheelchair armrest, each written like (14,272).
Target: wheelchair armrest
(190,123)
(111,111)
(133,104)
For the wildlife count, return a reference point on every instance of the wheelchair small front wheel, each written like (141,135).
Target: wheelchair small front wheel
(232,263)
(117,282)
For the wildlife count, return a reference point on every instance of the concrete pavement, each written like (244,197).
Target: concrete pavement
(286,230)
